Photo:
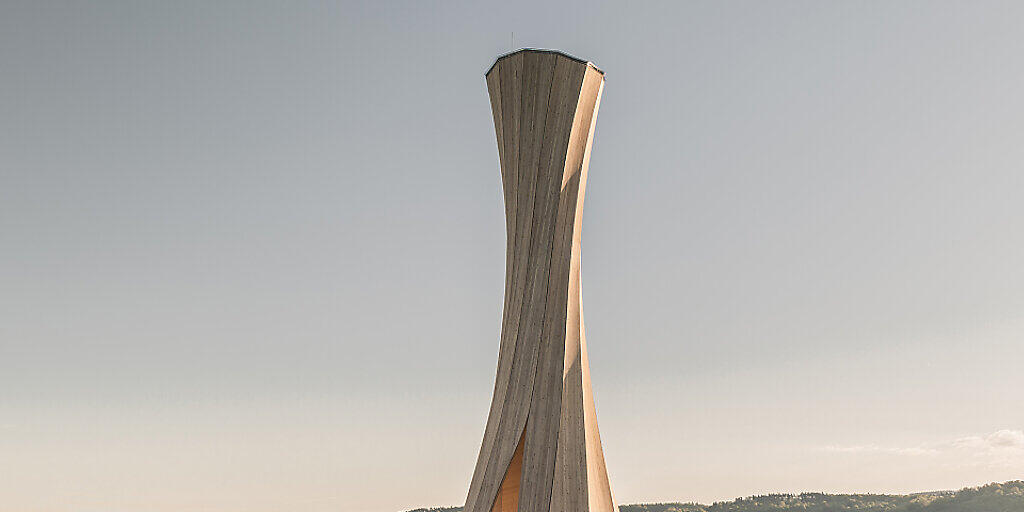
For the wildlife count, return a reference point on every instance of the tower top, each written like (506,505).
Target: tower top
(542,50)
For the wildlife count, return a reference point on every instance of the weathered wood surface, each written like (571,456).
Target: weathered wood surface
(541,450)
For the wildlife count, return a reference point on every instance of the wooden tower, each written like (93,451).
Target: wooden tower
(541,450)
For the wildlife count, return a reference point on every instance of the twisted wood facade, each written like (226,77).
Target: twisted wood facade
(541,450)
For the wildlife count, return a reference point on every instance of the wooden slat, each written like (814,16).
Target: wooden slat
(599,489)
(536,84)
(549,295)
(512,416)
(572,465)
(507,87)
(504,357)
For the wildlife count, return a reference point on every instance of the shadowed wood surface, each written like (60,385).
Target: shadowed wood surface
(508,494)
(545,107)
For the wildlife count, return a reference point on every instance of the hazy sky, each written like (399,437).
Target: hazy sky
(252,254)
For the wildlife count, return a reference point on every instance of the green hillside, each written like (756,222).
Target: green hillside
(1004,497)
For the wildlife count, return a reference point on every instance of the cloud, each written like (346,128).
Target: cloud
(875,449)
(1000,439)
(997,443)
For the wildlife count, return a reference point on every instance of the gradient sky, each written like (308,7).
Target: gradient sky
(252,253)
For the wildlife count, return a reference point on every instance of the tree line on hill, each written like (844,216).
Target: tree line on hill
(995,497)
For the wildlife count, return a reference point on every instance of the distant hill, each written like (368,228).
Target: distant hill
(1004,497)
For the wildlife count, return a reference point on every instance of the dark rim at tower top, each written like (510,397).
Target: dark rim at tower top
(542,50)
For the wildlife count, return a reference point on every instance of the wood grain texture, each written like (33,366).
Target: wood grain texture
(541,451)
(508,494)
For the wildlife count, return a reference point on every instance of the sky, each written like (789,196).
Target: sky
(252,253)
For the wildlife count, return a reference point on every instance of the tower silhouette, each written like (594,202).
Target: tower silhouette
(541,450)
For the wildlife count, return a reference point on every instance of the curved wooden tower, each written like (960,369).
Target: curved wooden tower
(541,450)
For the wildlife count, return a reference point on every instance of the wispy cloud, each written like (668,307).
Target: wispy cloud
(872,448)
(999,442)
(1000,439)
